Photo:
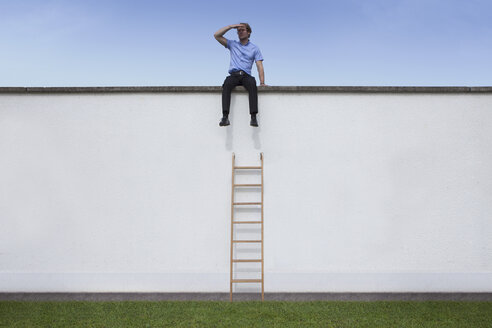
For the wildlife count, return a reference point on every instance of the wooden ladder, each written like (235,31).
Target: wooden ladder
(234,222)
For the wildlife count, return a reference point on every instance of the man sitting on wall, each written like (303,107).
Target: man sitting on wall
(243,53)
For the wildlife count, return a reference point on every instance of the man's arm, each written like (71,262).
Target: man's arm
(219,35)
(261,72)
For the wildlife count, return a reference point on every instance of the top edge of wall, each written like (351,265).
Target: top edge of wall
(278,89)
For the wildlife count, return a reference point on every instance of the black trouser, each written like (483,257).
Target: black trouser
(233,80)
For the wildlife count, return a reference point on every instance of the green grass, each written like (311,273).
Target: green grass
(246,314)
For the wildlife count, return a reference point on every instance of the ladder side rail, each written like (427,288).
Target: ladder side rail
(232,226)
(262,253)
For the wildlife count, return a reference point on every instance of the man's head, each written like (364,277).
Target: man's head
(244,31)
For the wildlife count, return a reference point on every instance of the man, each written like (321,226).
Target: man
(243,54)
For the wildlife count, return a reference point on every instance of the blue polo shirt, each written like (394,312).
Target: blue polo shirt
(243,56)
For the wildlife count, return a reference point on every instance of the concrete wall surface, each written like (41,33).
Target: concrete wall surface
(131,191)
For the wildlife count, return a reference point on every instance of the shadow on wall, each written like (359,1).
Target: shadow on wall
(255,136)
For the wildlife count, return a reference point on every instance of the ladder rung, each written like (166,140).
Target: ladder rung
(246,260)
(247,280)
(247,167)
(247,185)
(247,203)
(246,241)
(241,222)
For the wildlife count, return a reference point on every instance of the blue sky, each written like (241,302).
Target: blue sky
(309,42)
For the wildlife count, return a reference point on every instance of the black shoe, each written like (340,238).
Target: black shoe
(253,121)
(224,121)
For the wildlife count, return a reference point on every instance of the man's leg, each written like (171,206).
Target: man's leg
(249,82)
(229,84)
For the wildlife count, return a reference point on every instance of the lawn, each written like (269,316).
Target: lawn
(246,314)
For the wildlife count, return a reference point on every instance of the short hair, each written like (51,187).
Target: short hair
(248,28)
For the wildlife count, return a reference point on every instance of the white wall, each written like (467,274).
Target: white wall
(364,192)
